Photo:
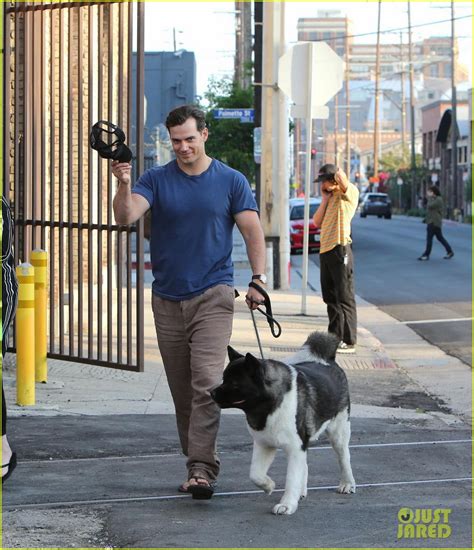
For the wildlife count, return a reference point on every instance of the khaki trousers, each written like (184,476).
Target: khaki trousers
(193,336)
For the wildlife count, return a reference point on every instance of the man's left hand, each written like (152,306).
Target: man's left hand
(253,298)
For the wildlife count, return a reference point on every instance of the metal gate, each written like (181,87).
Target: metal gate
(66,66)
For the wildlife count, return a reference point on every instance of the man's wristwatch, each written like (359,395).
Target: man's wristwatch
(262,278)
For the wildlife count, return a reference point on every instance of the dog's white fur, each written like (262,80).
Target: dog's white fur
(280,433)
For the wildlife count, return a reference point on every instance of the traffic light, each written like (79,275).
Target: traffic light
(313,153)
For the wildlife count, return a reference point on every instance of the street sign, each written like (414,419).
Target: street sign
(244,115)
(326,73)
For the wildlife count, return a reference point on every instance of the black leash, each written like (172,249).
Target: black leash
(276,332)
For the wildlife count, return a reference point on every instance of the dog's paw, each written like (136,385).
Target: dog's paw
(285,509)
(346,487)
(267,484)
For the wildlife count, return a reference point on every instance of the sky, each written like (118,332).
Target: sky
(207,28)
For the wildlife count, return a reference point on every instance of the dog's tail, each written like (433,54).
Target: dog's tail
(323,344)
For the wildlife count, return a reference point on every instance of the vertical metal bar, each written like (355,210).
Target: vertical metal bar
(121,116)
(99,190)
(61,182)
(7,81)
(129,132)
(140,164)
(110,259)
(80,177)
(70,215)
(31,128)
(43,130)
(17,137)
(90,174)
(27,130)
(52,183)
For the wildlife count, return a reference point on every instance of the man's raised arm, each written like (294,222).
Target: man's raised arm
(128,207)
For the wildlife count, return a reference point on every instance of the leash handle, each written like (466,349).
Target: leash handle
(268,314)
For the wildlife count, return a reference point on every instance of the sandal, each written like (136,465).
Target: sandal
(11,466)
(202,490)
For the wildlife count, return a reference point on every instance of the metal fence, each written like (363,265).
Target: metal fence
(66,66)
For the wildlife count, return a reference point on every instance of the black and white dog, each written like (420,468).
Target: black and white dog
(287,405)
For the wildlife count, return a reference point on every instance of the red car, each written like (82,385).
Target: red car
(297,224)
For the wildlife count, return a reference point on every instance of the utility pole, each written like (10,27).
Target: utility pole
(377,93)
(283,172)
(454,126)
(257,47)
(403,99)
(243,49)
(412,111)
(336,124)
(270,193)
(347,166)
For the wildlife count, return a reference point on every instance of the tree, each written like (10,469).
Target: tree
(230,141)
(397,163)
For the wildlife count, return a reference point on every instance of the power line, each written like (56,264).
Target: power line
(388,31)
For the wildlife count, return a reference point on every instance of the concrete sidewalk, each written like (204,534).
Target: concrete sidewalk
(384,345)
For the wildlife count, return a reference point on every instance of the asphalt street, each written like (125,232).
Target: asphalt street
(95,486)
(433,297)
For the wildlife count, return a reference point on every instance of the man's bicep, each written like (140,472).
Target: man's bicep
(140,206)
(247,221)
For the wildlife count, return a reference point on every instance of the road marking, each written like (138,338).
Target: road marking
(224,494)
(428,321)
(403,444)
(318,448)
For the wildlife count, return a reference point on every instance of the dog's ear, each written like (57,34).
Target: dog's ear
(233,355)
(252,361)
(254,366)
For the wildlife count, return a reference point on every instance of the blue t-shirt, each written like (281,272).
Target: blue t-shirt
(192,224)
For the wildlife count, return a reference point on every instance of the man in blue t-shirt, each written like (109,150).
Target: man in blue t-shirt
(195,201)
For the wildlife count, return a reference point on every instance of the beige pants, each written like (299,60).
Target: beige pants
(193,336)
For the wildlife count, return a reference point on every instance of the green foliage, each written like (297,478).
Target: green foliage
(398,165)
(230,141)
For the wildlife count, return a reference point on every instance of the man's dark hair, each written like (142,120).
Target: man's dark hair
(435,190)
(180,115)
(327,172)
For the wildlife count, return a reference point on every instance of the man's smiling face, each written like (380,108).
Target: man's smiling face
(188,142)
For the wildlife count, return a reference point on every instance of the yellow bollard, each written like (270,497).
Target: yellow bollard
(39,260)
(25,335)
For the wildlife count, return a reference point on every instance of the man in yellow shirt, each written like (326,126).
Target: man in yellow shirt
(339,203)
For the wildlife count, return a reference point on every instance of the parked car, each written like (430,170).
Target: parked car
(297,224)
(377,204)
